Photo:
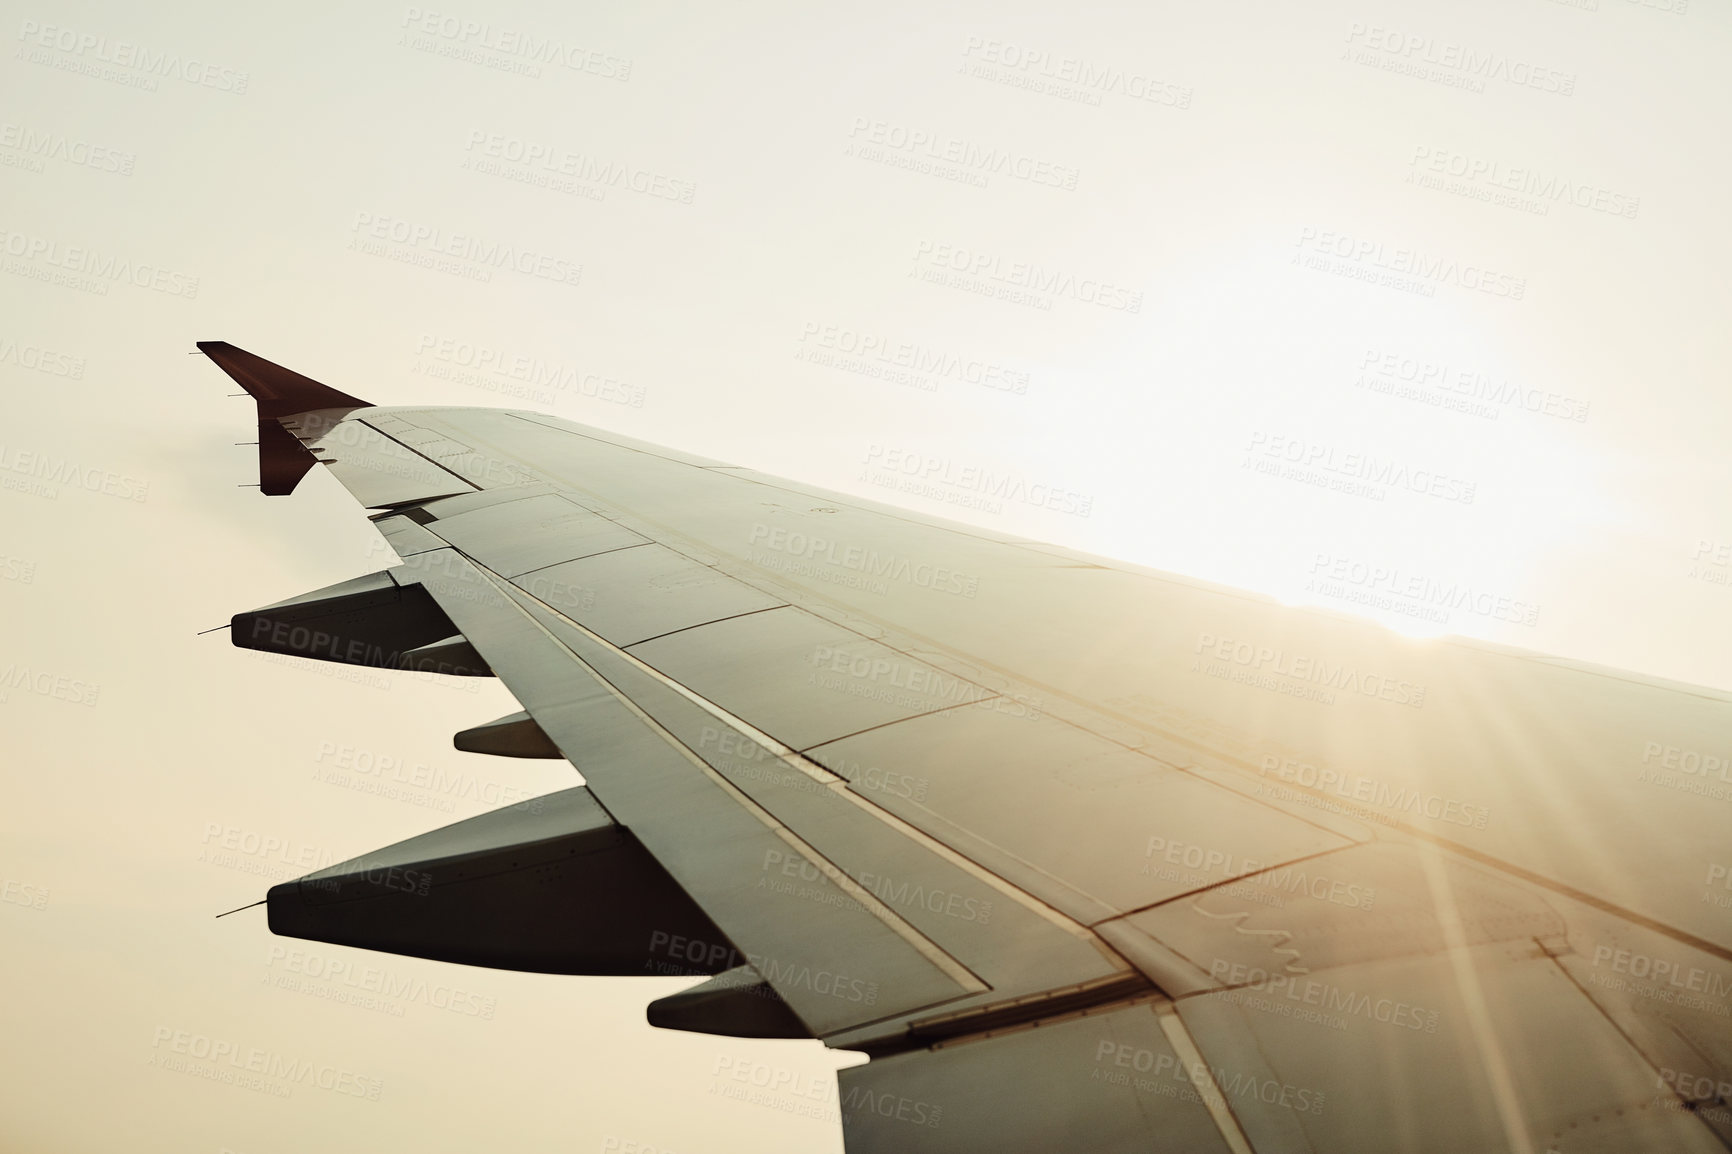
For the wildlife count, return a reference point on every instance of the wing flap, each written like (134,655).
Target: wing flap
(377,471)
(1109,1082)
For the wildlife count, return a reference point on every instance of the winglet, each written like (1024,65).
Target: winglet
(283,460)
(279,392)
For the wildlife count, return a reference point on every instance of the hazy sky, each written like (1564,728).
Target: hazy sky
(1217,273)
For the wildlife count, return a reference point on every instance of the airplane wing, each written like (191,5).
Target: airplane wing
(1082,855)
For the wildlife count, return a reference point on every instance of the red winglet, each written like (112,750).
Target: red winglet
(279,392)
(283,460)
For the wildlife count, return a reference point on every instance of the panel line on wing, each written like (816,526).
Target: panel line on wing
(1202,892)
(899,720)
(557,564)
(412,449)
(1207,1089)
(698,625)
(1611,1021)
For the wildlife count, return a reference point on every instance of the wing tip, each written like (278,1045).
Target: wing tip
(279,392)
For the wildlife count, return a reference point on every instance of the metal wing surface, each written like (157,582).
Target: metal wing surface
(1086,857)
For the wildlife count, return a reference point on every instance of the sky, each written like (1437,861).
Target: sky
(1330,301)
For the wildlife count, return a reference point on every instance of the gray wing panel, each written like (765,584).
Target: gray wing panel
(377,470)
(1117,830)
(530,533)
(1490,1048)
(1437,1004)
(1106,1083)
(835,965)
(1673,1001)
(406,537)
(1486,1048)
(1383,900)
(632,595)
(802,679)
